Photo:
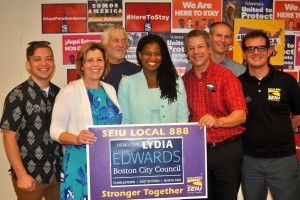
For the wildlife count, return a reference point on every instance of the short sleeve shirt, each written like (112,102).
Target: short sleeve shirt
(270,101)
(27,111)
(217,93)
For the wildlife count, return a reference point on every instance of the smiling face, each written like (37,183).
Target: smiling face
(256,60)
(291,24)
(211,21)
(189,22)
(221,39)
(72,59)
(230,11)
(41,65)
(198,52)
(151,58)
(117,47)
(181,23)
(93,66)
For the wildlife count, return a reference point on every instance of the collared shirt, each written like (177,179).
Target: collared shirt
(237,68)
(224,96)
(27,111)
(269,132)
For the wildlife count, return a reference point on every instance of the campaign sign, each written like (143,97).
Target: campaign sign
(128,157)
(152,161)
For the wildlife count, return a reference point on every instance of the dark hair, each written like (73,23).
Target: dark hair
(167,74)
(291,21)
(81,56)
(255,34)
(35,45)
(213,26)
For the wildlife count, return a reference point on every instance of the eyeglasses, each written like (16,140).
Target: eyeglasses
(260,49)
(39,43)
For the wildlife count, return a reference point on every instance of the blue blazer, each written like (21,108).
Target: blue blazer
(134,100)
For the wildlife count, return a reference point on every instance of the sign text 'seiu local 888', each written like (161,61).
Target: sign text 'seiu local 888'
(147,161)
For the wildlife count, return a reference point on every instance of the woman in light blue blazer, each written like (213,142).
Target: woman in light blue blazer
(157,93)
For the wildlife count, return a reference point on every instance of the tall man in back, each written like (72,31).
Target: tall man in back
(216,100)
(222,35)
(34,157)
(115,39)
(270,159)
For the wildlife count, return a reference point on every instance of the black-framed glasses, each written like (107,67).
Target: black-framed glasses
(39,43)
(260,49)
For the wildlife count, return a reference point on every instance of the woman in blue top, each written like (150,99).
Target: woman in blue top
(157,93)
(83,102)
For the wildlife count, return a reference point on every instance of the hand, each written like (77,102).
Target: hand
(26,183)
(86,137)
(209,121)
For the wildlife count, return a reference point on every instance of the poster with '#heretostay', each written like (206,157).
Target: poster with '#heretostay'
(152,161)
(147,17)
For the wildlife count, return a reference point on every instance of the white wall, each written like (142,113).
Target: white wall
(20,22)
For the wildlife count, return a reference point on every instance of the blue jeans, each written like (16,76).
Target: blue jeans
(277,174)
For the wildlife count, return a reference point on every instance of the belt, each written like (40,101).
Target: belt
(214,144)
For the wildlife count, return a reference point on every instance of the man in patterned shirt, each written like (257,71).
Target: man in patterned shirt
(215,98)
(35,158)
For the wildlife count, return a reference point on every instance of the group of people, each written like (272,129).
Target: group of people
(249,127)
(189,23)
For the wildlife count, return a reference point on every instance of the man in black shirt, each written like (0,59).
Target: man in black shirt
(115,40)
(270,159)
(34,157)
